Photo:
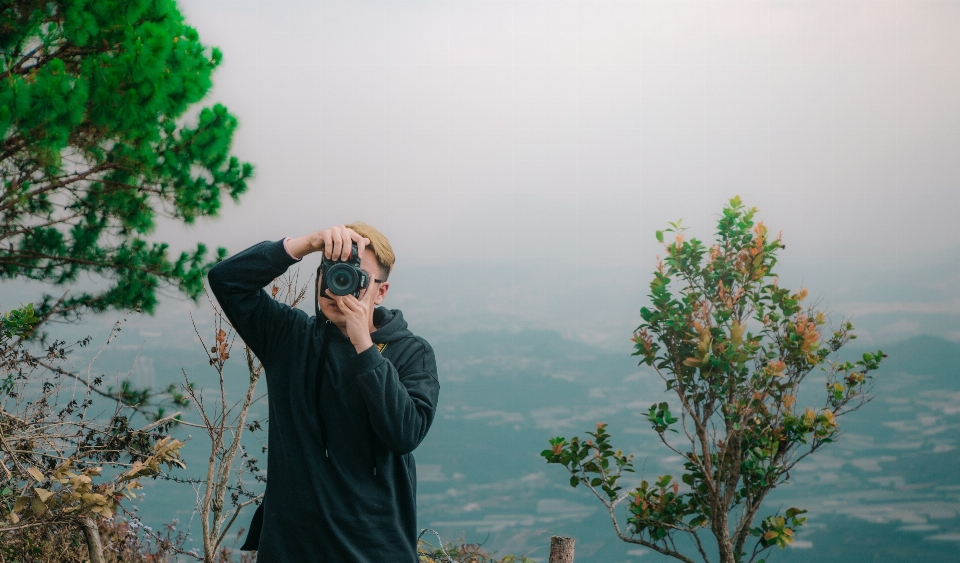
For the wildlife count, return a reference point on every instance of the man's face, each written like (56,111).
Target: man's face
(368,263)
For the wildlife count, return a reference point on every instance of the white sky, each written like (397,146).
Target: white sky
(562,132)
(545,134)
(564,124)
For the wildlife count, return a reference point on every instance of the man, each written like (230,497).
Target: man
(351,393)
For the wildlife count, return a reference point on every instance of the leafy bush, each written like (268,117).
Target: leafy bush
(55,446)
(733,348)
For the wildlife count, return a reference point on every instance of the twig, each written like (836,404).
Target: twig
(163,420)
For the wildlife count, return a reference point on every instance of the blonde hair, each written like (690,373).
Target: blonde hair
(378,244)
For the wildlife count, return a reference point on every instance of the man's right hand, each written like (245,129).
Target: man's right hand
(336,243)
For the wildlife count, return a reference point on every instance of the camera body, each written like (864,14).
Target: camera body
(343,277)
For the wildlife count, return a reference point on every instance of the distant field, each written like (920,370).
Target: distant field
(889,490)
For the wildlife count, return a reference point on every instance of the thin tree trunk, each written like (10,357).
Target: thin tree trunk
(561,550)
(94,547)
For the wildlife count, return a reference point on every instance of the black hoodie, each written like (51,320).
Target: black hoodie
(342,481)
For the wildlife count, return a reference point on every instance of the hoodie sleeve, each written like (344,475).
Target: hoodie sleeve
(238,284)
(401,405)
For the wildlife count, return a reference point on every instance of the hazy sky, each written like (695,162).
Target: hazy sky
(564,124)
(547,135)
(564,132)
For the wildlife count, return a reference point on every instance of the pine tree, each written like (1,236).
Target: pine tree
(95,147)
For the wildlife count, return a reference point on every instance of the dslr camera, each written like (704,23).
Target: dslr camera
(343,277)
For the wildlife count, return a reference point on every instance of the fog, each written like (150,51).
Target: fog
(465,127)
(520,155)
(540,137)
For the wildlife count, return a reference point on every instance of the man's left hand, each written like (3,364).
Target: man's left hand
(359,315)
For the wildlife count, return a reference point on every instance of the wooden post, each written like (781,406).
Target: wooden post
(94,547)
(561,550)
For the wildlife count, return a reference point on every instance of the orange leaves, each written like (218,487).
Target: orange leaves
(760,230)
(830,418)
(777,530)
(822,424)
(715,252)
(775,368)
(557,448)
(757,252)
(855,378)
(643,338)
(788,401)
(222,349)
(806,329)
(678,240)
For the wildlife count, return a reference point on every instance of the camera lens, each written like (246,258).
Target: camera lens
(342,279)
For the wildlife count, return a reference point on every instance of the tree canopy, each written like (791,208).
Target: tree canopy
(733,348)
(96,146)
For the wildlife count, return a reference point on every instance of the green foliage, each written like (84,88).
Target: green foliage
(94,147)
(17,323)
(778,530)
(733,347)
(15,326)
(589,461)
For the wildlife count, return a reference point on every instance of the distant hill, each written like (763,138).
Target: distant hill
(935,358)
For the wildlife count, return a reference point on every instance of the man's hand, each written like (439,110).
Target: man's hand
(335,243)
(359,314)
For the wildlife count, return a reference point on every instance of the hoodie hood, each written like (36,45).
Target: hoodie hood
(390,325)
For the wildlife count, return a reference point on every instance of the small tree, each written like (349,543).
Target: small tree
(224,424)
(54,445)
(734,348)
(93,147)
